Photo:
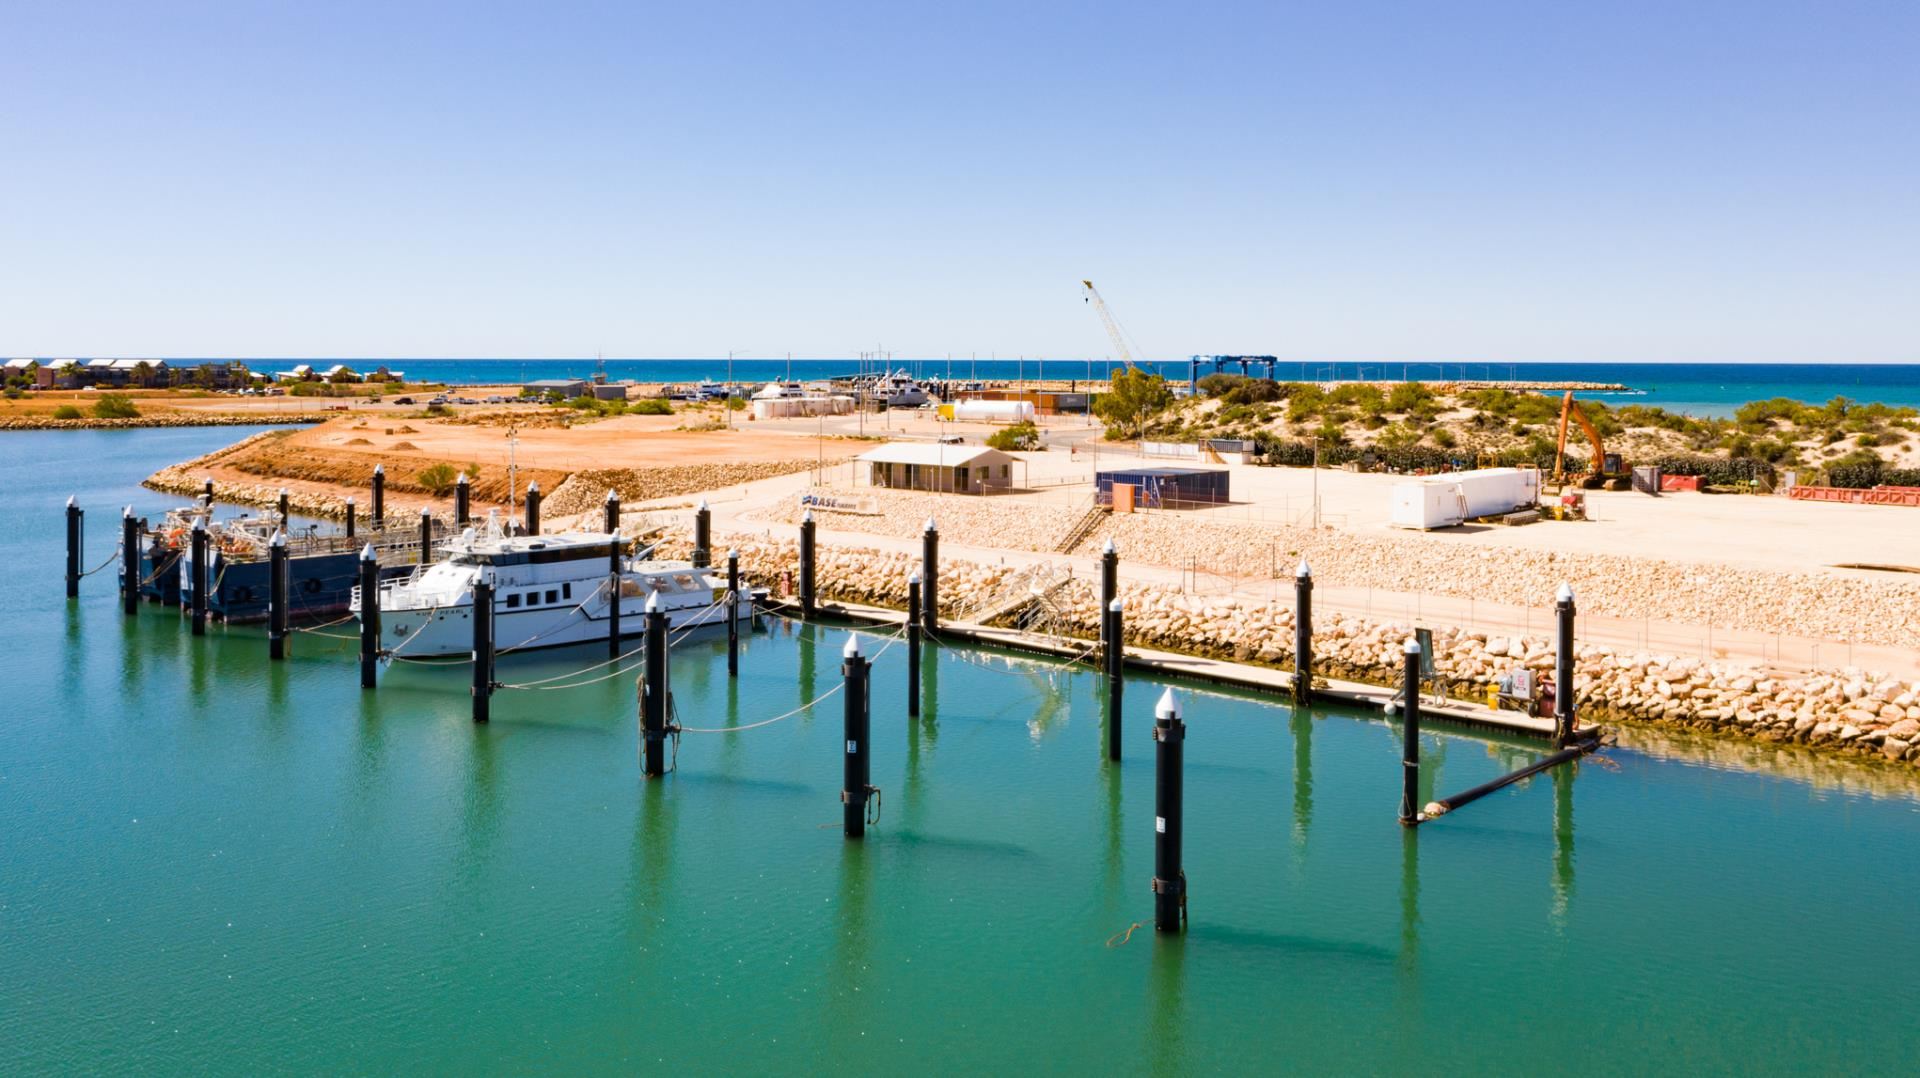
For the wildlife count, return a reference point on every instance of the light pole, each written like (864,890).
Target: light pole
(1316,482)
(513,438)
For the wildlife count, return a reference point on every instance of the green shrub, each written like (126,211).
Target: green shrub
(1015,437)
(437,479)
(1361,395)
(1409,397)
(14,393)
(1443,438)
(1305,402)
(115,406)
(1255,391)
(1213,385)
(1397,436)
(66,411)
(1132,401)
(1718,471)
(651,406)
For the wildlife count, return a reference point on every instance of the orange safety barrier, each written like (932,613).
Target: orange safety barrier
(1679,482)
(1893,496)
(1877,496)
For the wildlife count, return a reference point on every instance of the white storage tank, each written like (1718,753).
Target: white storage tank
(1425,504)
(994,411)
(1492,491)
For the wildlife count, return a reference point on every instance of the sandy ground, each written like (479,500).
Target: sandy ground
(1758,531)
(628,441)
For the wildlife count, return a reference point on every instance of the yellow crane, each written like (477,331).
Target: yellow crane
(1106,319)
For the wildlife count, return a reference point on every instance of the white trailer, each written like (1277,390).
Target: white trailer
(1425,504)
(1494,491)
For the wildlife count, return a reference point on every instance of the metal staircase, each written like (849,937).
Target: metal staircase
(1082,528)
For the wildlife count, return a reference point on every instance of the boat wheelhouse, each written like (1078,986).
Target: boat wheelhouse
(548,591)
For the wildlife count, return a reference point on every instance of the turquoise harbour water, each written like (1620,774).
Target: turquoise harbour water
(216,864)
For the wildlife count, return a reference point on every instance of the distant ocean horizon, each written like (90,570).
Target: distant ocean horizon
(1705,389)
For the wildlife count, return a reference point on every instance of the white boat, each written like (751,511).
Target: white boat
(899,390)
(548,591)
(774,391)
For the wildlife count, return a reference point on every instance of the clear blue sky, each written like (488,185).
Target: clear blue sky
(1692,181)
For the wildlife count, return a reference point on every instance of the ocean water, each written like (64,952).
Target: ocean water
(212,863)
(1706,389)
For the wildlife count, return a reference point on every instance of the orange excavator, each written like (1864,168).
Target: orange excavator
(1606,468)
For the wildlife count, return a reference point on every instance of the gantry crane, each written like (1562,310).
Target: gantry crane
(1106,319)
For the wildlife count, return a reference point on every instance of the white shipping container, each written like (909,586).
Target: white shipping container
(1492,491)
(993,411)
(1424,504)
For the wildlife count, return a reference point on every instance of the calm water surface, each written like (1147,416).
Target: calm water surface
(211,863)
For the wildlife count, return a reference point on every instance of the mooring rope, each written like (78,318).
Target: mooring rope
(695,623)
(891,640)
(544,684)
(325,625)
(564,618)
(114,557)
(155,575)
(426,620)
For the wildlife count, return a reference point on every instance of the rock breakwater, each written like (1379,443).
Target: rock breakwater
(1819,605)
(1848,711)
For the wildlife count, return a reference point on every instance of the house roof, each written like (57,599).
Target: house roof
(555,383)
(938,456)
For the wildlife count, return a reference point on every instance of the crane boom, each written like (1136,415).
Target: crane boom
(1106,319)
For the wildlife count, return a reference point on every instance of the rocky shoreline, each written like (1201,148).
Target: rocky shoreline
(1755,600)
(1849,711)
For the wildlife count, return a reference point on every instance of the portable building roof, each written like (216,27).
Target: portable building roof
(933,455)
(1166,473)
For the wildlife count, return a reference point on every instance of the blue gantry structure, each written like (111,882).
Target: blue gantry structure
(1221,363)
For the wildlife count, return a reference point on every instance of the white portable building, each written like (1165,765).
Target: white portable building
(1492,491)
(1425,504)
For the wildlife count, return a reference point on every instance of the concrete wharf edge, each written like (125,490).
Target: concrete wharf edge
(1213,671)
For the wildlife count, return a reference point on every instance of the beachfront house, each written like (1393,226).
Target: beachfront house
(339,374)
(137,373)
(957,469)
(300,373)
(59,374)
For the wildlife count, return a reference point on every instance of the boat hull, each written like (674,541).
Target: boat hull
(448,631)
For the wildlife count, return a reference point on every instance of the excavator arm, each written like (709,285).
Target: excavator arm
(1570,410)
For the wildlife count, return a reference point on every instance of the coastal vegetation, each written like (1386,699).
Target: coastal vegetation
(1413,426)
(1015,437)
(115,406)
